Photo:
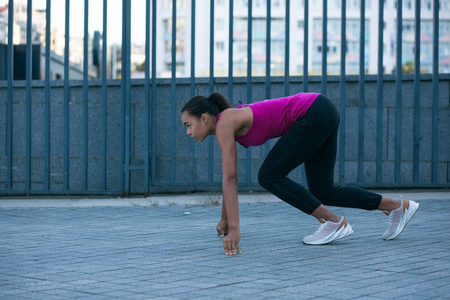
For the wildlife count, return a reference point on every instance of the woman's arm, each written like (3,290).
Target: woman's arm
(222,227)
(227,144)
(229,186)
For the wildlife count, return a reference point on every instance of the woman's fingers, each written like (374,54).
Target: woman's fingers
(237,248)
(220,232)
(231,247)
(227,247)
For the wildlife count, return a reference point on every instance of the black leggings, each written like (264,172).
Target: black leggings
(312,140)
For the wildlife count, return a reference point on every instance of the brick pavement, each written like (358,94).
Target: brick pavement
(172,252)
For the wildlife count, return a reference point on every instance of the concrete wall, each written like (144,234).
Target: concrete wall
(183,171)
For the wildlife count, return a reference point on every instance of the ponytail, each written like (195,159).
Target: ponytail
(213,105)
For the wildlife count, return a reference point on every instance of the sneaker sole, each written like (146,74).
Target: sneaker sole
(413,207)
(343,232)
(323,241)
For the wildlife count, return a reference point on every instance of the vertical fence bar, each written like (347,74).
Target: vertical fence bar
(435,86)
(342,94)
(173,90)
(126,86)
(192,79)
(28,71)
(362,43)
(66,97)
(211,87)
(9,106)
(230,54)
(85,95)
(104,92)
(248,174)
(305,64)
(211,47)
(153,106)
(398,93)
(286,50)
(416,147)
(306,46)
(147,98)
(123,101)
(380,92)
(47,97)
(324,47)
(127,76)
(268,54)
(192,93)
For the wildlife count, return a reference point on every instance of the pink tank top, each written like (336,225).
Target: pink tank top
(273,118)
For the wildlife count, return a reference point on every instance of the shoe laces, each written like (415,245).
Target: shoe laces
(320,228)
(391,218)
(391,214)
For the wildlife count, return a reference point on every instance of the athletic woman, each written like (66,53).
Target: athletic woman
(307,124)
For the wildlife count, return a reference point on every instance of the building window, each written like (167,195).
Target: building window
(408,4)
(301,24)
(220,46)
(317,25)
(261,3)
(300,47)
(259,24)
(444,27)
(220,24)
(445,5)
(167,4)
(336,4)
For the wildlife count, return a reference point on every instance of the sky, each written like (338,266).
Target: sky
(95,17)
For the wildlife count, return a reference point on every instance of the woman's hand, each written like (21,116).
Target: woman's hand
(231,242)
(222,228)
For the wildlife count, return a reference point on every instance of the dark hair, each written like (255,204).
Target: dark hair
(213,104)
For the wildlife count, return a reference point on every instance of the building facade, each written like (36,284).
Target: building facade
(296,36)
(221,25)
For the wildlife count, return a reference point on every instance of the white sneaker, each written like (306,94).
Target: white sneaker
(346,230)
(398,218)
(328,232)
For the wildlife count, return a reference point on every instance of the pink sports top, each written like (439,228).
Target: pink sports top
(272,118)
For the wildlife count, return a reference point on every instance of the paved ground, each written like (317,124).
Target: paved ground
(147,251)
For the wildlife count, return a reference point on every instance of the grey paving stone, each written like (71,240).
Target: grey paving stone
(159,252)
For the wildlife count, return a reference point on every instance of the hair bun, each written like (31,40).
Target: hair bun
(214,104)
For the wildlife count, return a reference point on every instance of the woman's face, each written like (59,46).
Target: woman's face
(197,128)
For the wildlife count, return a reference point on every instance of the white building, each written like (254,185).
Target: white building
(221,40)
(4,27)
(277,59)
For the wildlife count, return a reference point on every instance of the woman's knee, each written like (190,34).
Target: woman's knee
(322,194)
(264,178)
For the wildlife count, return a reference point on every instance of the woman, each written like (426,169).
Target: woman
(308,126)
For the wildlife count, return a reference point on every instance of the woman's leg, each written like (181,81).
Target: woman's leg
(296,146)
(312,140)
(319,171)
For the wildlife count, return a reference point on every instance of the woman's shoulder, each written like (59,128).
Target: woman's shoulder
(236,119)
(235,114)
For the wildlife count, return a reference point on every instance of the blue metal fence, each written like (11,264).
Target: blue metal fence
(148,167)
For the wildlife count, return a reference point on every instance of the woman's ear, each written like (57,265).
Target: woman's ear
(204,117)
